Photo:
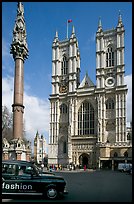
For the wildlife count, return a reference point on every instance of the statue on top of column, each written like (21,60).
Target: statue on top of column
(19,45)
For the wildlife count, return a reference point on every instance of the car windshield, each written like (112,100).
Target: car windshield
(37,169)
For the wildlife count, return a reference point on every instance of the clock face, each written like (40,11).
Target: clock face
(63,89)
(110,81)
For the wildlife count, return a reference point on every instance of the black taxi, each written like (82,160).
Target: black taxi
(24,178)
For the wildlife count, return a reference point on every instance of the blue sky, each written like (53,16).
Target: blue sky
(42,20)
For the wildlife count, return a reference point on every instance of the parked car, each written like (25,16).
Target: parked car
(128,168)
(24,178)
(124,167)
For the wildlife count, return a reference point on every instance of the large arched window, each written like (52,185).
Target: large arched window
(86,119)
(109,57)
(64,66)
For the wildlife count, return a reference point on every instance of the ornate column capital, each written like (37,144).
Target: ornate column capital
(19,48)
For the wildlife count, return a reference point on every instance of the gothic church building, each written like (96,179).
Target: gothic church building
(88,121)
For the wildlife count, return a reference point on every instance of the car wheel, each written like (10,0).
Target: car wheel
(52,192)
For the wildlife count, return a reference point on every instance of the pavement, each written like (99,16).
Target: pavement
(72,171)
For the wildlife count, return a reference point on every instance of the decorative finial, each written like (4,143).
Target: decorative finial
(73,30)
(99,25)
(20,9)
(120,18)
(56,35)
(19,46)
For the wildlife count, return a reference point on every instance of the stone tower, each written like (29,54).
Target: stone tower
(39,148)
(65,81)
(111,90)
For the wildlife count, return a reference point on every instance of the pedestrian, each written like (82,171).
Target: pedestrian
(84,167)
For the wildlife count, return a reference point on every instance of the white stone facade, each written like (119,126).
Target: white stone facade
(88,122)
(39,148)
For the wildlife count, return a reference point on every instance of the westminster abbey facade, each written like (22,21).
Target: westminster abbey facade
(88,121)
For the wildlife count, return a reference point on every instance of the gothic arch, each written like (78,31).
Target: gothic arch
(86,100)
(110,44)
(84,160)
(63,108)
(110,56)
(64,65)
(86,118)
(110,103)
(115,154)
(126,154)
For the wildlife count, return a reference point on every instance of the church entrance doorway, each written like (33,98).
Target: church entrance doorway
(84,160)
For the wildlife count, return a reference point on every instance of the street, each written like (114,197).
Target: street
(92,186)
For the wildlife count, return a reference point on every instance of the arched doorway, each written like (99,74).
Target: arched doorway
(84,160)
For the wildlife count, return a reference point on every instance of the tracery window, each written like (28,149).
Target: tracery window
(109,57)
(86,119)
(64,67)
(63,108)
(110,104)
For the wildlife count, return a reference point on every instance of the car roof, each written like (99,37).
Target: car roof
(16,162)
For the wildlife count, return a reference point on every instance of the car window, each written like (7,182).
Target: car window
(25,170)
(8,169)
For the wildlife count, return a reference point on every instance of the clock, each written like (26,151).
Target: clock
(110,81)
(63,89)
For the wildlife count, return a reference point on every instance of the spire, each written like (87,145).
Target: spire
(73,32)
(99,25)
(56,37)
(37,134)
(19,46)
(86,73)
(20,10)
(119,19)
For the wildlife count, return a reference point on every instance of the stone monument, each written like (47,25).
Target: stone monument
(19,148)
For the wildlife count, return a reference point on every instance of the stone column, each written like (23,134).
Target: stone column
(18,108)
(19,50)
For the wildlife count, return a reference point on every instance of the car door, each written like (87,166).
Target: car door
(9,178)
(28,182)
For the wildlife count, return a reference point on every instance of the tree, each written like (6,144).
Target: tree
(7,123)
